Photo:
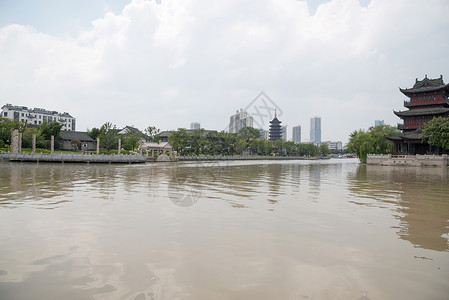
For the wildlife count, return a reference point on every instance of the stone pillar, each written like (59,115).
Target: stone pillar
(98,145)
(52,144)
(33,145)
(119,145)
(20,142)
(15,141)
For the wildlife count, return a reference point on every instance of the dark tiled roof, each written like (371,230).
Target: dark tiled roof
(422,112)
(414,135)
(426,85)
(76,135)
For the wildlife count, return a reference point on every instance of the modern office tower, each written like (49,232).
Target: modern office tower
(239,120)
(284,132)
(315,129)
(378,122)
(195,125)
(296,134)
(275,129)
(36,116)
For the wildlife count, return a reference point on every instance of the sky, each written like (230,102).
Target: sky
(168,63)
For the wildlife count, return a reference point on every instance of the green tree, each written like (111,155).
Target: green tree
(108,136)
(50,129)
(76,144)
(93,133)
(131,138)
(197,141)
(249,133)
(6,127)
(179,140)
(324,149)
(152,132)
(372,141)
(308,149)
(436,132)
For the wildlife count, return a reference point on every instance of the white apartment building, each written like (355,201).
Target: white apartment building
(333,146)
(35,116)
(239,120)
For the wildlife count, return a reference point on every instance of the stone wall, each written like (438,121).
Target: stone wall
(408,160)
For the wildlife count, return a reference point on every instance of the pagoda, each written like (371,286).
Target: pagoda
(275,129)
(428,99)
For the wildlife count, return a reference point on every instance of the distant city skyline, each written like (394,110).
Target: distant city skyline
(145,63)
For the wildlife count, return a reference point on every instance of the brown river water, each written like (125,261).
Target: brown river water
(330,229)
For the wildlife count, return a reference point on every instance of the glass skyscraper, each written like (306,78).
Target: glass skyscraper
(315,129)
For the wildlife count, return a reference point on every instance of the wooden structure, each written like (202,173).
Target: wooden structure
(428,99)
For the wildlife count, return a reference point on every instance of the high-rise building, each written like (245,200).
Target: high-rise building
(296,134)
(239,120)
(378,122)
(195,125)
(36,116)
(275,129)
(284,132)
(315,129)
(263,133)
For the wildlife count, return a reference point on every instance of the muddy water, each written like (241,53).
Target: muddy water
(237,230)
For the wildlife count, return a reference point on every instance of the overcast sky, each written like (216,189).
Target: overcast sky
(171,62)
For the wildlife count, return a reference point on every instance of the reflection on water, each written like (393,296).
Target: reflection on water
(418,197)
(223,230)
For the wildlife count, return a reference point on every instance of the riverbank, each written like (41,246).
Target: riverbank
(73,157)
(207,158)
(136,158)
(408,160)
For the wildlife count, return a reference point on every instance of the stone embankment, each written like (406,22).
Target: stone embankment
(205,158)
(408,160)
(73,157)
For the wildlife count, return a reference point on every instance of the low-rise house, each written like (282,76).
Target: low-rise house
(77,140)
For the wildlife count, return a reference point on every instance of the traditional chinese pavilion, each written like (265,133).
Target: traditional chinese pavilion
(275,129)
(428,99)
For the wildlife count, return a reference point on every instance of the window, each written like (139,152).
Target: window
(5,114)
(40,117)
(22,114)
(35,122)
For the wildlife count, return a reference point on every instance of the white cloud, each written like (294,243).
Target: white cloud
(180,61)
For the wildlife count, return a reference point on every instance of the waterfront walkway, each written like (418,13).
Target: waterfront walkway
(205,158)
(73,157)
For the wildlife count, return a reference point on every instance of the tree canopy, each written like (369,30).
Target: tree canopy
(372,141)
(436,132)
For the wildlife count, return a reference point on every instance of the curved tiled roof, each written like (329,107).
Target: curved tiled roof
(426,85)
(423,112)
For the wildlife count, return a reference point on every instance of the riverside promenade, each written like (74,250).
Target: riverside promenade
(73,157)
(206,158)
